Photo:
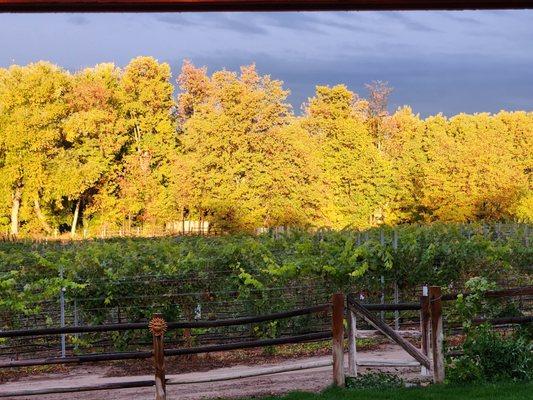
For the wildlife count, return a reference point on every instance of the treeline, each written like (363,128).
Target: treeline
(117,148)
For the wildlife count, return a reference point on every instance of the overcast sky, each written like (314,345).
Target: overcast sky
(437,61)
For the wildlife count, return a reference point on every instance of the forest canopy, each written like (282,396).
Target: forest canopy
(110,147)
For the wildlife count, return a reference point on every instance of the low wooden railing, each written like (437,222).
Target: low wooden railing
(158,327)
(430,356)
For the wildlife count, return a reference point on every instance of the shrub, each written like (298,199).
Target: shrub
(492,356)
(375,380)
(488,355)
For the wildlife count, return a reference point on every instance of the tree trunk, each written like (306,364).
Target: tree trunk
(75,218)
(15,207)
(40,216)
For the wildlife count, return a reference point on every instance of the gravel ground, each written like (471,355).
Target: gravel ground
(307,380)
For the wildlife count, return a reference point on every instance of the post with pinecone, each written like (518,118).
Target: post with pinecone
(158,327)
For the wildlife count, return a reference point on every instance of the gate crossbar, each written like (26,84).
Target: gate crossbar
(360,309)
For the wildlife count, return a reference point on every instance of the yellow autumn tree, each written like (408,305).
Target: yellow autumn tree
(246,163)
(355,176)
(32,104)
(471,171)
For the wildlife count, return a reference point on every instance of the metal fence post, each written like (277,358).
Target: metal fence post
(382,279)
(62,314)
(76,322)
(62,317)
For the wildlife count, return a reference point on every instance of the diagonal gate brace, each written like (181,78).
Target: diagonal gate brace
(360,309)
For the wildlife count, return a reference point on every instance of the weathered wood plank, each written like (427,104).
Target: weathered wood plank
(387,363)
(158,328)
(392,307)
(77,389)
(171,325)
(262,372)
(170,352)
(352,345)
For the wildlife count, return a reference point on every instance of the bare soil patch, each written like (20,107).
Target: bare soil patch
(308,380)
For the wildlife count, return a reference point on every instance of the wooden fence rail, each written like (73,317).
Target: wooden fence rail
(136,355)
(431,334)
(171,325)
(195,324)
(78,389)
(158,326)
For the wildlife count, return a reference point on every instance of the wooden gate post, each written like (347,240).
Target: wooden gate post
(158,327)
(338,339)
(437,335)
(425,325)
(352,344)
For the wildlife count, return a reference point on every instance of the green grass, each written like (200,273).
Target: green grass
(501,391)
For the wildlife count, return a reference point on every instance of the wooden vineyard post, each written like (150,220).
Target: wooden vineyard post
(158,327)
(437,335)
(425,326)
(338,339)
(352,345)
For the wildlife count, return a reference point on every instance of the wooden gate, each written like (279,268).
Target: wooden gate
(431,332)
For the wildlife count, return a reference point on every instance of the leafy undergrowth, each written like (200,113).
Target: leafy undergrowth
(501,391)
(487,355)
(375,381)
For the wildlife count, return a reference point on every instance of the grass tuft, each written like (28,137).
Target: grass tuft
(496,391)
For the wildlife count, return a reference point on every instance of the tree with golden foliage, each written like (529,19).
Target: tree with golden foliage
(112,148)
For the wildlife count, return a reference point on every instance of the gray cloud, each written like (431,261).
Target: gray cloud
(458,17)
(219,21)
(437,61)
(78,19)
(264,23)
(465,83)
(409,22)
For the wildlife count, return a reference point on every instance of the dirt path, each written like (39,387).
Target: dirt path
(308,380)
